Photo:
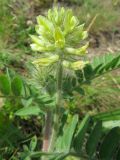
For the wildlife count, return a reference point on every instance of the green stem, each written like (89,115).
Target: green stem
(58,104)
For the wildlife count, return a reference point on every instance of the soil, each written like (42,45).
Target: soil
(104,42)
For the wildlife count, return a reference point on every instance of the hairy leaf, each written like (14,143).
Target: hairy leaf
(16,86)
(5,86)
(33,143)
(93,139)
(80,135)
(64,142)
(111,141)
(27,111)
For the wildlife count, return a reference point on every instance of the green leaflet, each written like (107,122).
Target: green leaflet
(33,143)
(104,59)
(17,86)
(110,142)
(80,135)
(64,142)
(27,111)
(100,65)
(105,63)
(5,86)
(93,139)
(108,116)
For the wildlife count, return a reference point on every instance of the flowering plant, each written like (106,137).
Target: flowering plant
(61,38)
(58,36)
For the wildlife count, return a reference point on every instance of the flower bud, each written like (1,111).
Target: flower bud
(59,38)
(78,65)
(79,51)
(44,62)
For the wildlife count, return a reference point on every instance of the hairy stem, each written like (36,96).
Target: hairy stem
(47,131)
(58,105)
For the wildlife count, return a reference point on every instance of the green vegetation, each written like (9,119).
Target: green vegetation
(107,14)
(65,104)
